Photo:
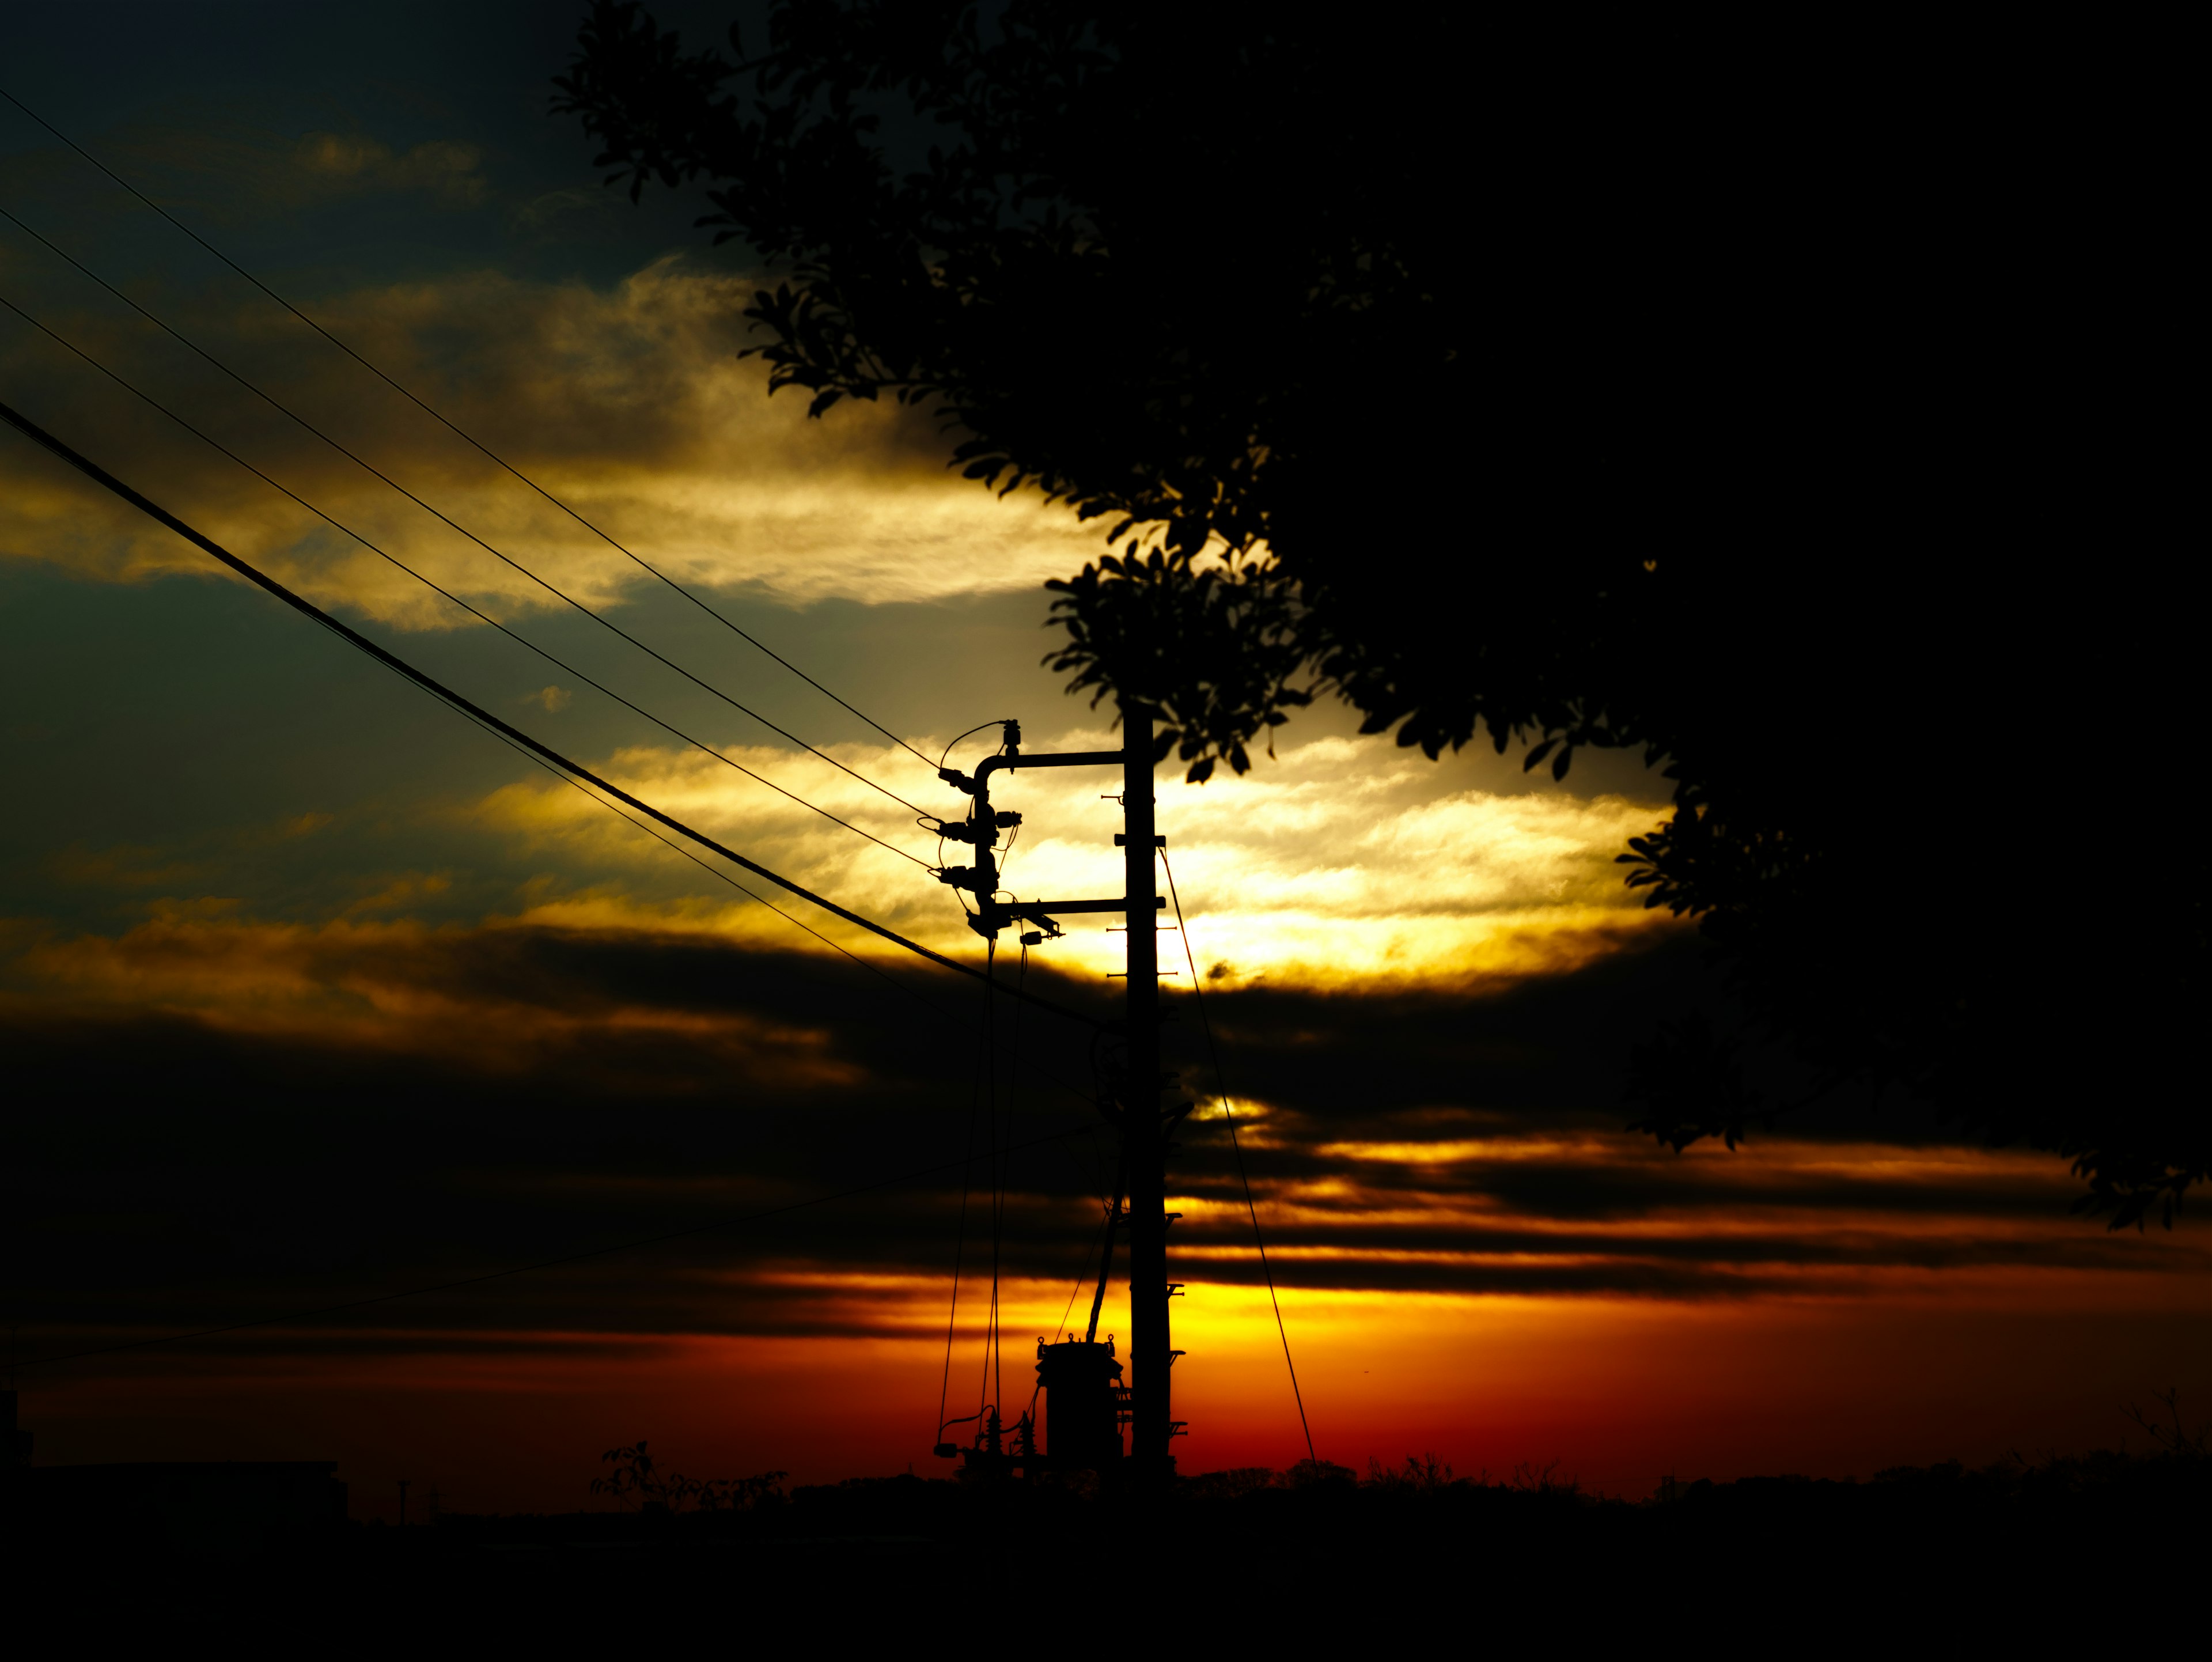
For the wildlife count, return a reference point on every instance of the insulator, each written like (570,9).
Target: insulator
(1008,816)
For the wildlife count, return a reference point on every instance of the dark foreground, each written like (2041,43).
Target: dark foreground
(1293,1553)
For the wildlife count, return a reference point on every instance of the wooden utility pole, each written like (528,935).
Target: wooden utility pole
(1151,1357)
(1144,1126)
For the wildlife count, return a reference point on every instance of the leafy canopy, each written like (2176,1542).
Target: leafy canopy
(1507,380)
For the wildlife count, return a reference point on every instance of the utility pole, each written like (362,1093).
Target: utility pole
(1150,1357)
(1144,1129)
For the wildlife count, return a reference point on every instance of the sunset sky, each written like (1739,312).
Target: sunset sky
(312,991)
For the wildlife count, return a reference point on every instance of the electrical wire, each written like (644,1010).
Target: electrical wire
(873,968)
(1222,1086)
(960,1238)
(430,583)
(525,1268)
(559,594)
(523,745)
(991,1151)
(1006,1159)
(452,427)
(717,872)
(92,470)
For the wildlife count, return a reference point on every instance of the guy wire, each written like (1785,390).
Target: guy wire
(1221,1083)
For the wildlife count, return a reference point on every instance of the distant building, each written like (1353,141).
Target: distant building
(218,1507)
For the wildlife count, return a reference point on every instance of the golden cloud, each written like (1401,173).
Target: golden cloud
(1347,862)
(377,985)
(631,404)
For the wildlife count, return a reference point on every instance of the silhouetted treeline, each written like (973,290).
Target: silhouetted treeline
(1268,1550)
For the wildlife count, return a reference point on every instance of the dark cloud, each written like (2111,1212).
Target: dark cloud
(475,1098)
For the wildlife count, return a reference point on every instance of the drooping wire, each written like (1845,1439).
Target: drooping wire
(1221,1086)
(558,663)
(967,1161)
(991,1123)
(511,737)
(455,430)
(970,734)
(482,716)
(960,1233)
(370,468)
(1006,1157)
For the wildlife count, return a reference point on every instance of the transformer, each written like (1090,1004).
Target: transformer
(1085,1405)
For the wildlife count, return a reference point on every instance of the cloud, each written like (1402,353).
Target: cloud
(441,169)
(1341,864)
(630,403)
(457,998)
(256,1097)
(214,165)
(545,213)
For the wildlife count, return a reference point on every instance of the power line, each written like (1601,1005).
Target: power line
(523,1269)
(435,587)
(562,595)
(92,470)
(724,876)
(717,872)
(465,437)
(975,1091)
(711,871)
(1222,1084)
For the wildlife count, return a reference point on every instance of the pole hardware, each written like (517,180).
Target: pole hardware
(982,831)
(1130,1090)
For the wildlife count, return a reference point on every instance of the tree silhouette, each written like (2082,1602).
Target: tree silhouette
(1507,382)
(637,1478)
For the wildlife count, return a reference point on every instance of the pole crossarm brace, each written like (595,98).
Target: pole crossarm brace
(1066,758)
(1014,758)
(1034,908)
